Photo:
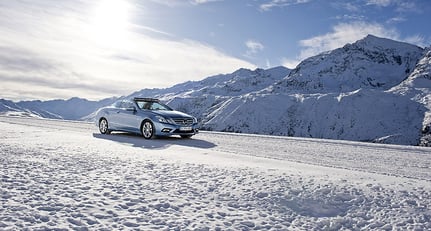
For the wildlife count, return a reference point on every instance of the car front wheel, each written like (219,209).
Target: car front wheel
(147,130)
(103,126)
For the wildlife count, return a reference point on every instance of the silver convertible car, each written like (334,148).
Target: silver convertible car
(145,116)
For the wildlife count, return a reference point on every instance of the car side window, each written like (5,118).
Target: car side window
(145,105)
(118,104)
(157,106)
(127,104)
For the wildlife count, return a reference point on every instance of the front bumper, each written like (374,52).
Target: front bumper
(163,129)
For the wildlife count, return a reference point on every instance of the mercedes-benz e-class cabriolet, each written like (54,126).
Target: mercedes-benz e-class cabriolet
(146,116)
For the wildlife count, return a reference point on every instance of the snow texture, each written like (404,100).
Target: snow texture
(63,175)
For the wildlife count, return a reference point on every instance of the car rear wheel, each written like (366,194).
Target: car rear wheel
(147,130)
(103,126)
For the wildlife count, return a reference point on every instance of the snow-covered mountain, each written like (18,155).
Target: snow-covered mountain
(375,90)
(9,108)
(199,98)
(347,93)
(352,93)
(71,109)
(370,63)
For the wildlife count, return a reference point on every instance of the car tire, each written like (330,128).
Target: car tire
(186,136)
(104,126)
(147,129)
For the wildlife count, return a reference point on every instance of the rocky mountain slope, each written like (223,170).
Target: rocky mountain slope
(417,87)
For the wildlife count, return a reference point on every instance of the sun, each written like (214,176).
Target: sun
(110,23)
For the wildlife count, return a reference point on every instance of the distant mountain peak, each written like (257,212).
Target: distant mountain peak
(372,41)
(371,62)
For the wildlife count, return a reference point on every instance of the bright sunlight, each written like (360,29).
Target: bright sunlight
(110,23)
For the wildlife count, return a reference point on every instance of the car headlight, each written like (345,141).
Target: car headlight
(162,119)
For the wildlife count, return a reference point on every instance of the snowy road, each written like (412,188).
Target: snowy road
(64,175)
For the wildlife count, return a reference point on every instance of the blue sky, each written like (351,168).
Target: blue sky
(101,48)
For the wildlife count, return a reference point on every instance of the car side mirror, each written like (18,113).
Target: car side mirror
(132,108)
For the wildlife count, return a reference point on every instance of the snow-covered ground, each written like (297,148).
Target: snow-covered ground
(65,175)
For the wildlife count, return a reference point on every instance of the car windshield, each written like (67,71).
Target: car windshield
(149,105)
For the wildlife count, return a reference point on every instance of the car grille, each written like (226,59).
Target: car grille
(183,121)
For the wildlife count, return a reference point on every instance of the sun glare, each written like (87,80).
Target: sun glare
(110,23)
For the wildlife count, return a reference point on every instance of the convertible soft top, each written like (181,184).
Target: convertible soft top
(146,99)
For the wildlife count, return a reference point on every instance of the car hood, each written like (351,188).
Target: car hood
(172,114)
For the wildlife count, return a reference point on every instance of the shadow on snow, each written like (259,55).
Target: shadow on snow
(157,143)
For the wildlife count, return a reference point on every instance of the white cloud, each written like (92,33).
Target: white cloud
(401,6)
(405,6)
(55,52)
(382,3)
(350,17)
(254,47)
(268,63)
(290,63)
(417,40)
(280,3)
(196,2)
(342,34)
(351,7)
(396,19)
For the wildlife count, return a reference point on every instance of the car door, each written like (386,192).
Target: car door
(128,117)
(113,116)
